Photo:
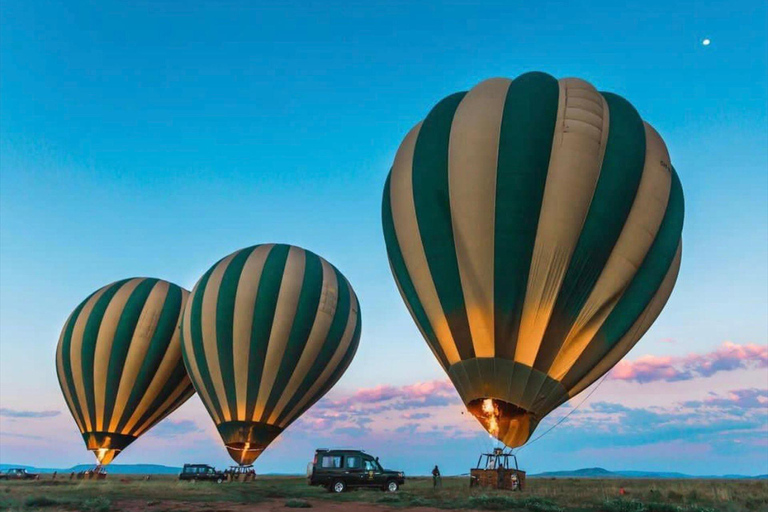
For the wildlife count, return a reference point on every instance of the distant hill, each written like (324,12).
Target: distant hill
(114,469)
(604,473)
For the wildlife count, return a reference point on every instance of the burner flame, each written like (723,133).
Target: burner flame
(491,414)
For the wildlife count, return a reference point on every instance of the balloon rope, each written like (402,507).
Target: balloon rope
(564,417)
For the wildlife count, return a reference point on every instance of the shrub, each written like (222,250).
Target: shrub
(485,502)
(41,501)
(389,498)
(96,505)
(619,505)
(298,504)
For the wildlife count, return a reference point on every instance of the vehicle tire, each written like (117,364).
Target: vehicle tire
(219,480)
(338,486)
(392,486)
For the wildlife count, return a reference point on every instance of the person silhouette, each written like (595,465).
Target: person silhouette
(436,481)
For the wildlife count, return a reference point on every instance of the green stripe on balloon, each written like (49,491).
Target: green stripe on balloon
(431,197)
(303,320)
(263,318)
(225,311)
(640,291)
(611,203)
(66,347)
(403,278)
(346,360)
(525,145)
(158,347)
(90,335)
(121,342)
(198,351)
(332,340)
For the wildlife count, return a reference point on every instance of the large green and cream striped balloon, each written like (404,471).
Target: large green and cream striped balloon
(267,331)
(119,362)
(533,227)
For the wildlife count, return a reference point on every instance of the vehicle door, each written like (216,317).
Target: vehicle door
(332,466)
(353,465)
(373,475)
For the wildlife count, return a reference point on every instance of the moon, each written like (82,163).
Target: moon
(706,42)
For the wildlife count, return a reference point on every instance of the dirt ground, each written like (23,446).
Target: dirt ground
(268,506)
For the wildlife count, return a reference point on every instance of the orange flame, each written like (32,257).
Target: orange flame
(491,413)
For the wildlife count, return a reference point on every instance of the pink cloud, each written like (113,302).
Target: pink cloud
(727,357)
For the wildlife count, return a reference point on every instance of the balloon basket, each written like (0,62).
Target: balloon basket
(244,473)
(496,471)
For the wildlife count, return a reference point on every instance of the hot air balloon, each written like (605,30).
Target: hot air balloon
(533,227)
(119,362)
(268,330)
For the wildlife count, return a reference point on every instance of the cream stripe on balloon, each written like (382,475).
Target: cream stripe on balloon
(137,351)
(473,154)
(62,377)
(577,154)
(163,409)
(287,300)
(210,341)
(346,340)
(76,356)
(638,329)
(164,372)
(245,299)
(635,240)
(193,366)
(103,350)
(317,335)
(411,247)
(418,324)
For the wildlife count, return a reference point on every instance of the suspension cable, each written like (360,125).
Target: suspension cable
(563,418)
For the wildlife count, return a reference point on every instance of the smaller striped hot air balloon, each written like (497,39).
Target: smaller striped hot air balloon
(119,362)
(267,331)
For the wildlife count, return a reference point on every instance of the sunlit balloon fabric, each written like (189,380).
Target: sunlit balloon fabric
(119,362)
(533,227)
(268,330)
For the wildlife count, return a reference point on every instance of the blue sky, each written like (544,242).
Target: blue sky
(152,138)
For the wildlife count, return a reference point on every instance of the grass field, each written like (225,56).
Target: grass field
(166,494)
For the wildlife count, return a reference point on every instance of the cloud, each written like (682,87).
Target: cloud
(13,413)
(22,436)
(416,415)
(751,398)
(168,429)
(727,357)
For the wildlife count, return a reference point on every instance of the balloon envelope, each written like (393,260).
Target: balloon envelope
(119,362)
(533,227)
(267,331)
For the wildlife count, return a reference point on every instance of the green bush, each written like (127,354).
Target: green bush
(389,498)
(96,505)
(619,505)
(41,501)
(298,504)
(485,502)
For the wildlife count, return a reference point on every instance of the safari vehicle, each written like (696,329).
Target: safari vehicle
(339,470)
(203,472)
(18,474)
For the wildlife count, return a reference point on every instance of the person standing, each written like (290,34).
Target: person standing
(436,481)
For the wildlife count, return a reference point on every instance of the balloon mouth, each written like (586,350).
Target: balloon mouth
(246,441)
(509,423)
(106,445)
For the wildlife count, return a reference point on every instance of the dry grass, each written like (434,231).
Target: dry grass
(542,495)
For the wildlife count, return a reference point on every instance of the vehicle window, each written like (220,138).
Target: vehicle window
(353,462)
(369,465)
(332,461)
